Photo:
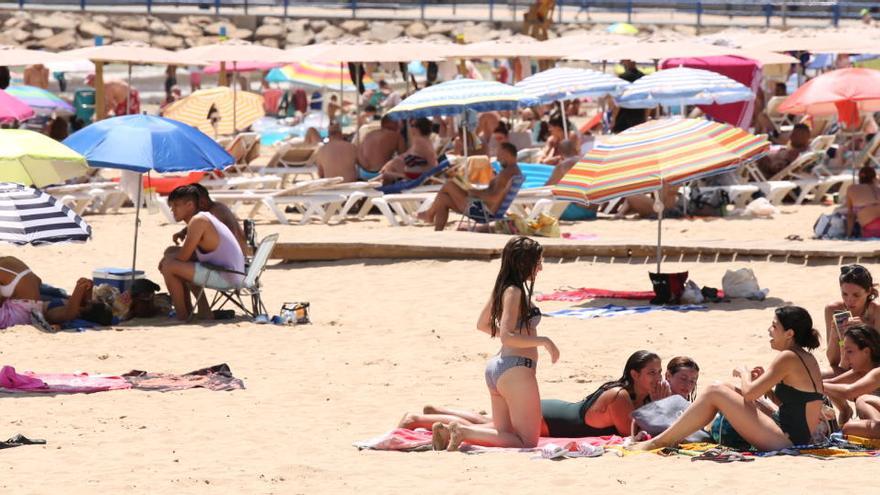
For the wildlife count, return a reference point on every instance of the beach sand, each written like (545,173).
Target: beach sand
(388,337)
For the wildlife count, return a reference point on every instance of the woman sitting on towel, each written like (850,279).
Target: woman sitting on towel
(857,293)
(794,378)
(608,410)
(510,375)
(861,348)
(682,373)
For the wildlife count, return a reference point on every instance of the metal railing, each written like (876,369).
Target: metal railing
(505,10)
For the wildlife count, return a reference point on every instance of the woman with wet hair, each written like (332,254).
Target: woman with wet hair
(861,349)
(510,375)
(793,376)
(857,293)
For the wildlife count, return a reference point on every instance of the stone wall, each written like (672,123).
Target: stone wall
(63,30)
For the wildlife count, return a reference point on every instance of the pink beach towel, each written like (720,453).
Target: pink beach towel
(583,294)
(402,439)
(67,383)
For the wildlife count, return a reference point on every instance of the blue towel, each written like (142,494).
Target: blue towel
(536,174)
(610,310)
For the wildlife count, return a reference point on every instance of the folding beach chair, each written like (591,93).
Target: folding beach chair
(478,213)
(250,286)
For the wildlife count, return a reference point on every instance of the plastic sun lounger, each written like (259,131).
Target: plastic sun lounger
(292,160)
(307,197)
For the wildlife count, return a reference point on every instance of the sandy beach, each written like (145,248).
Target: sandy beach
(387,337)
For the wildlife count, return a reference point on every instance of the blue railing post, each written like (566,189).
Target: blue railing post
(768,11)
(354,9)
(245,6)
(559,12)
(149,7)
(423,10)
(82,4)
(491,10)
(286,2)
(20,4)
(699,16)
(629,11)
(835,14)
(217,7)
(455,6)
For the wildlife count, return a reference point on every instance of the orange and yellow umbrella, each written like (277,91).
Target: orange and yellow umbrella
(242,108)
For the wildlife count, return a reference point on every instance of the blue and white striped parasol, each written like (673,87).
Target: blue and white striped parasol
(566,83)
(683,86)
(30,216)
(456,96)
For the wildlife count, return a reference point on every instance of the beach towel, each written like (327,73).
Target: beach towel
(610,310)
(578,237)
(405,440)
(12,381)
(216,378)
(578,295)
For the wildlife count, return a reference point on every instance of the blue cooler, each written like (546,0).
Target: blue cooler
(117,277)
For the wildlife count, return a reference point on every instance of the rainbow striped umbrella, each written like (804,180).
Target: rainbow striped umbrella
(645,157)
(317,75)
(40,100)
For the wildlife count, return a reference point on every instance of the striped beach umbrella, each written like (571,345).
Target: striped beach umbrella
(320,75)
(197,108)
(456,96)
(646,157)
(13,109)
(40,100)
(683,86)
(32,158)
(30,216)
(566,83)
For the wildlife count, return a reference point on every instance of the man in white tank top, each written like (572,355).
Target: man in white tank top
(220,262)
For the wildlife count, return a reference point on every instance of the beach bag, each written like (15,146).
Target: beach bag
(712,203)
(830,226)
(668,287)
(656,417)
(741,283)
(545,226)
(723,433)
(479,170)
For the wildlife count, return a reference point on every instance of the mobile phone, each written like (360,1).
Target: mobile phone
(840,319)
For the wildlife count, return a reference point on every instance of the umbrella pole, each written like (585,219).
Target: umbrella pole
(564,123)
(137,223)
(357,95)
(464,135)
(234,97)
(341,81)
(659,234)
(128,96)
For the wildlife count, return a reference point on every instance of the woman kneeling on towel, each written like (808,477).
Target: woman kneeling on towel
(861,348)
(794,378)
(857,294)
(510,375)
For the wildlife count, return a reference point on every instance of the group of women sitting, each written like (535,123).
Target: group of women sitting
(787,403)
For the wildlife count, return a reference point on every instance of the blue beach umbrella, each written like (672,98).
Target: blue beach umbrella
(683,86)
(144,143)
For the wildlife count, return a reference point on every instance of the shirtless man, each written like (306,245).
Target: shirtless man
(220,259)
(378,147)
(418,158)
(36,75)
(338,157)
(453,198)
(115,95)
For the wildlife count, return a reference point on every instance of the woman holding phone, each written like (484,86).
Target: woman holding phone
(856,307)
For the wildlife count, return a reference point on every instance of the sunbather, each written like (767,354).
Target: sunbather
(863,205)
(510,375)
(857,294)
(220,211)
(643,205)
(797,380)
(607,410)
(78,306)
(338,157)
(220,259)
(570,157)
(780,157)
(551,154)
(682,374)
(452,197)
(19,292)
(379,147)
(417,159)
(861,346)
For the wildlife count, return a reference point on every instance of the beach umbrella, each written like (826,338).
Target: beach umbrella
(195,109)
(511,47)
(683,86)
(842,92)
(319,75)
(12,109)
(623,28)
(242,67)
(456,96)
(30,216)
(646,157)
(144,143)
(566,83)
(15,56)
(32,158)
(41,100)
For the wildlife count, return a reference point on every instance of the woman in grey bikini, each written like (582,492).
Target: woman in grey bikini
(510,375)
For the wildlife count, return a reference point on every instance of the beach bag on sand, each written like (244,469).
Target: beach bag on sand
(712,203)
(668,287)
(830,226)
(742,283)
(723,433)
(656,417)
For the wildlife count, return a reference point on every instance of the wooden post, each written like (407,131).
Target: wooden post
(223,79)
(100,99)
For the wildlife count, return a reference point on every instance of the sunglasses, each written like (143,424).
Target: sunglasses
(853,269)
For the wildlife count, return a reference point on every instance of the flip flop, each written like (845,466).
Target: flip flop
(722,456)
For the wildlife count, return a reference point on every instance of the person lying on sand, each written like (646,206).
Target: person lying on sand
(418,159)
(861,346)
(19,292)
(793,376)
(220,259)
(857,296)
(78,306)
(510,375)
(452,197)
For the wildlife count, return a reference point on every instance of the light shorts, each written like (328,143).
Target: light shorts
(215,279)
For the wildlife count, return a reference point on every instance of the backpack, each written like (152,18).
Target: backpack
(711,203)
(830,226)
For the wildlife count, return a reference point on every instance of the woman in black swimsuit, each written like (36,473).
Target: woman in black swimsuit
(793,376)
(608,410)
